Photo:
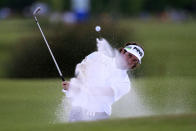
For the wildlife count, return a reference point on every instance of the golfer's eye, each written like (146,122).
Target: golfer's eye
(135,60)
(130,55)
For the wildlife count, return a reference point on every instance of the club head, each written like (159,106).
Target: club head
(37,10)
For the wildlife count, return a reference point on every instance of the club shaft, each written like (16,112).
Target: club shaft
(59,71)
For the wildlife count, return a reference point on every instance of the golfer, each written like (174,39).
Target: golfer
(101,79)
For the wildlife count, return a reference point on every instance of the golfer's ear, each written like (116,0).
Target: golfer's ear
(120,49)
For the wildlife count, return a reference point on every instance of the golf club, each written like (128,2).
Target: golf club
(35,13)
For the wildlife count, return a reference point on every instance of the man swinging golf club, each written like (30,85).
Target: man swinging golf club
(101,79)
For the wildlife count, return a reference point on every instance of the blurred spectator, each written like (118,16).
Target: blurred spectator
(145,15)
(177,15)
(81,9)
(69,17)
(55,17)
(5,12)
(173,15)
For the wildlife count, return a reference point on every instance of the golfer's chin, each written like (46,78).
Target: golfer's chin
(132,66)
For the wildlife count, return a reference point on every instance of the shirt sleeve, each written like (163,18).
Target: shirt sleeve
(81,67)
(75,83)
(66,92)
(120,86)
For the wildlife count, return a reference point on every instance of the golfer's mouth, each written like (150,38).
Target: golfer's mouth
(132,66)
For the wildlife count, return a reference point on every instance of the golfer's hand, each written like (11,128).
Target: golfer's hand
(65,85)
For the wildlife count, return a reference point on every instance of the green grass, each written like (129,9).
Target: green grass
(159,123)
(26,102)
(32,105)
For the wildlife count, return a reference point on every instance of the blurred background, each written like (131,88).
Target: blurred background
(29,84)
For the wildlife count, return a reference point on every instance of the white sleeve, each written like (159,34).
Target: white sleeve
(120,87)
(66,92)
(81,67)
(76,83)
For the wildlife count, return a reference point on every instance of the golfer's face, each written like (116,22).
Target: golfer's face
(132,61)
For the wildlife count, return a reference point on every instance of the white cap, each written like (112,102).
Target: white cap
(136,51)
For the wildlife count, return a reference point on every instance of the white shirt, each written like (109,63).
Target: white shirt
(96,88)
(101,79)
